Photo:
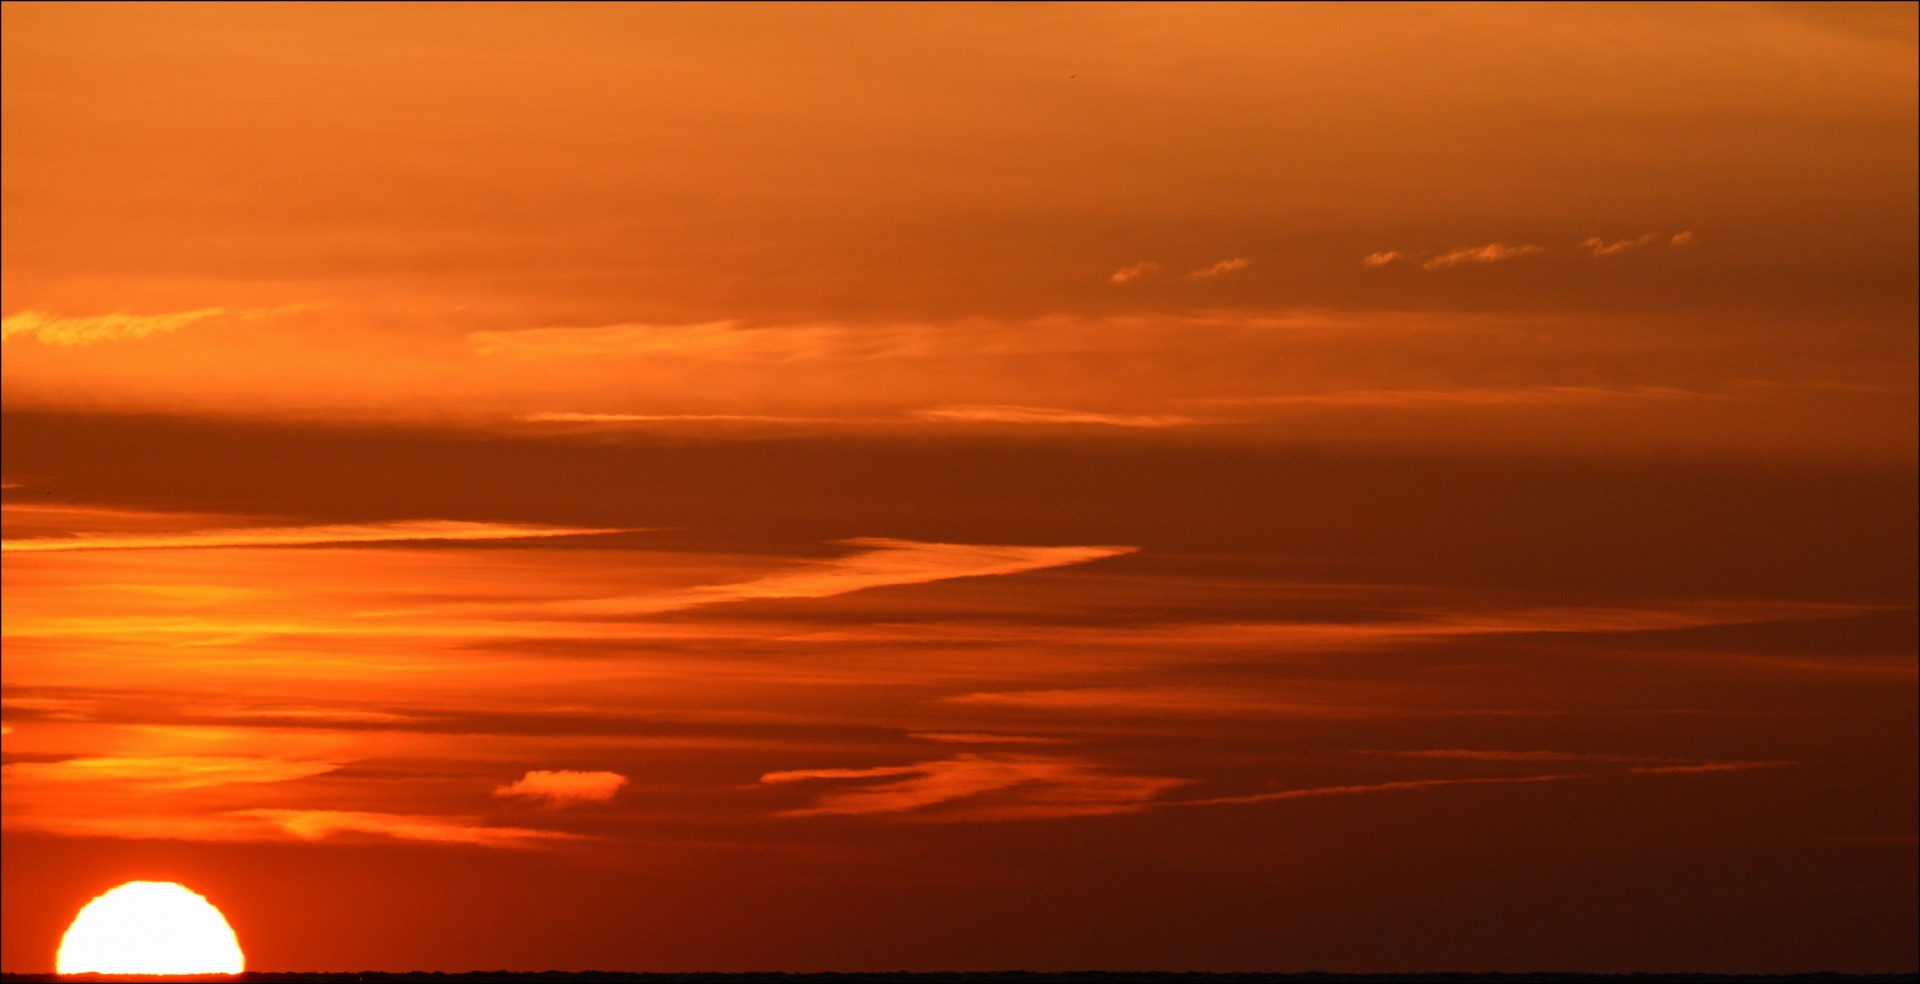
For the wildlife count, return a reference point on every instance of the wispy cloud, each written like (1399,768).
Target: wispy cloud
(313,825)
(559,788)
(1602,247)
(265,825)
(882,563)
(1159,700)
(981,738)
(53,329)
(1598,246)
(568,417)
(1462,396)
(1134,271)
(1490,253)
(1507,755)
(168,772)
(1049,415)
(316,715)
(1499,252)
(621,339)
(276,536)
(1403,786)
(982,787)
(1221,268)
(1702,767)
(1418,785)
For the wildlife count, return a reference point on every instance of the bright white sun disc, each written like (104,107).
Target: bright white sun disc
(148,927)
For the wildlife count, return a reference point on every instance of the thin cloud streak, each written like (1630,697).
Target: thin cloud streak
(1221,268)
(980,738)
(1410,785)
(1490,253)
(282,536)
(167,772)
(1504,755)
(1706,767)
(568,417)
(1163,700)
(1049,415)
(311,825)
(983,787)
(265,825)
(52,329)
(1597,246)
(1487,397)
(621,339)
(1419,785)
(882,563)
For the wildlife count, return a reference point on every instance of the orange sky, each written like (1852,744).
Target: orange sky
(959,487)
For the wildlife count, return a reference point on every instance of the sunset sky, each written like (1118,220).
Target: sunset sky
(1054,487)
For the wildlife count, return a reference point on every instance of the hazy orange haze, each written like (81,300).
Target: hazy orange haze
(830,487)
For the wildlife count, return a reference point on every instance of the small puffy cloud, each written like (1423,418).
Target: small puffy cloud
(559,788)
(1221,268)
(1681,238)
(1490,253)
(1381,259)
(1134,271)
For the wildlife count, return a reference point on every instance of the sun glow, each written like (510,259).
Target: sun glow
(150,928)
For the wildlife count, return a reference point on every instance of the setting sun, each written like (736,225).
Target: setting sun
(150,928)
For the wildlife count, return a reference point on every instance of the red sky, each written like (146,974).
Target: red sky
(950,487)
